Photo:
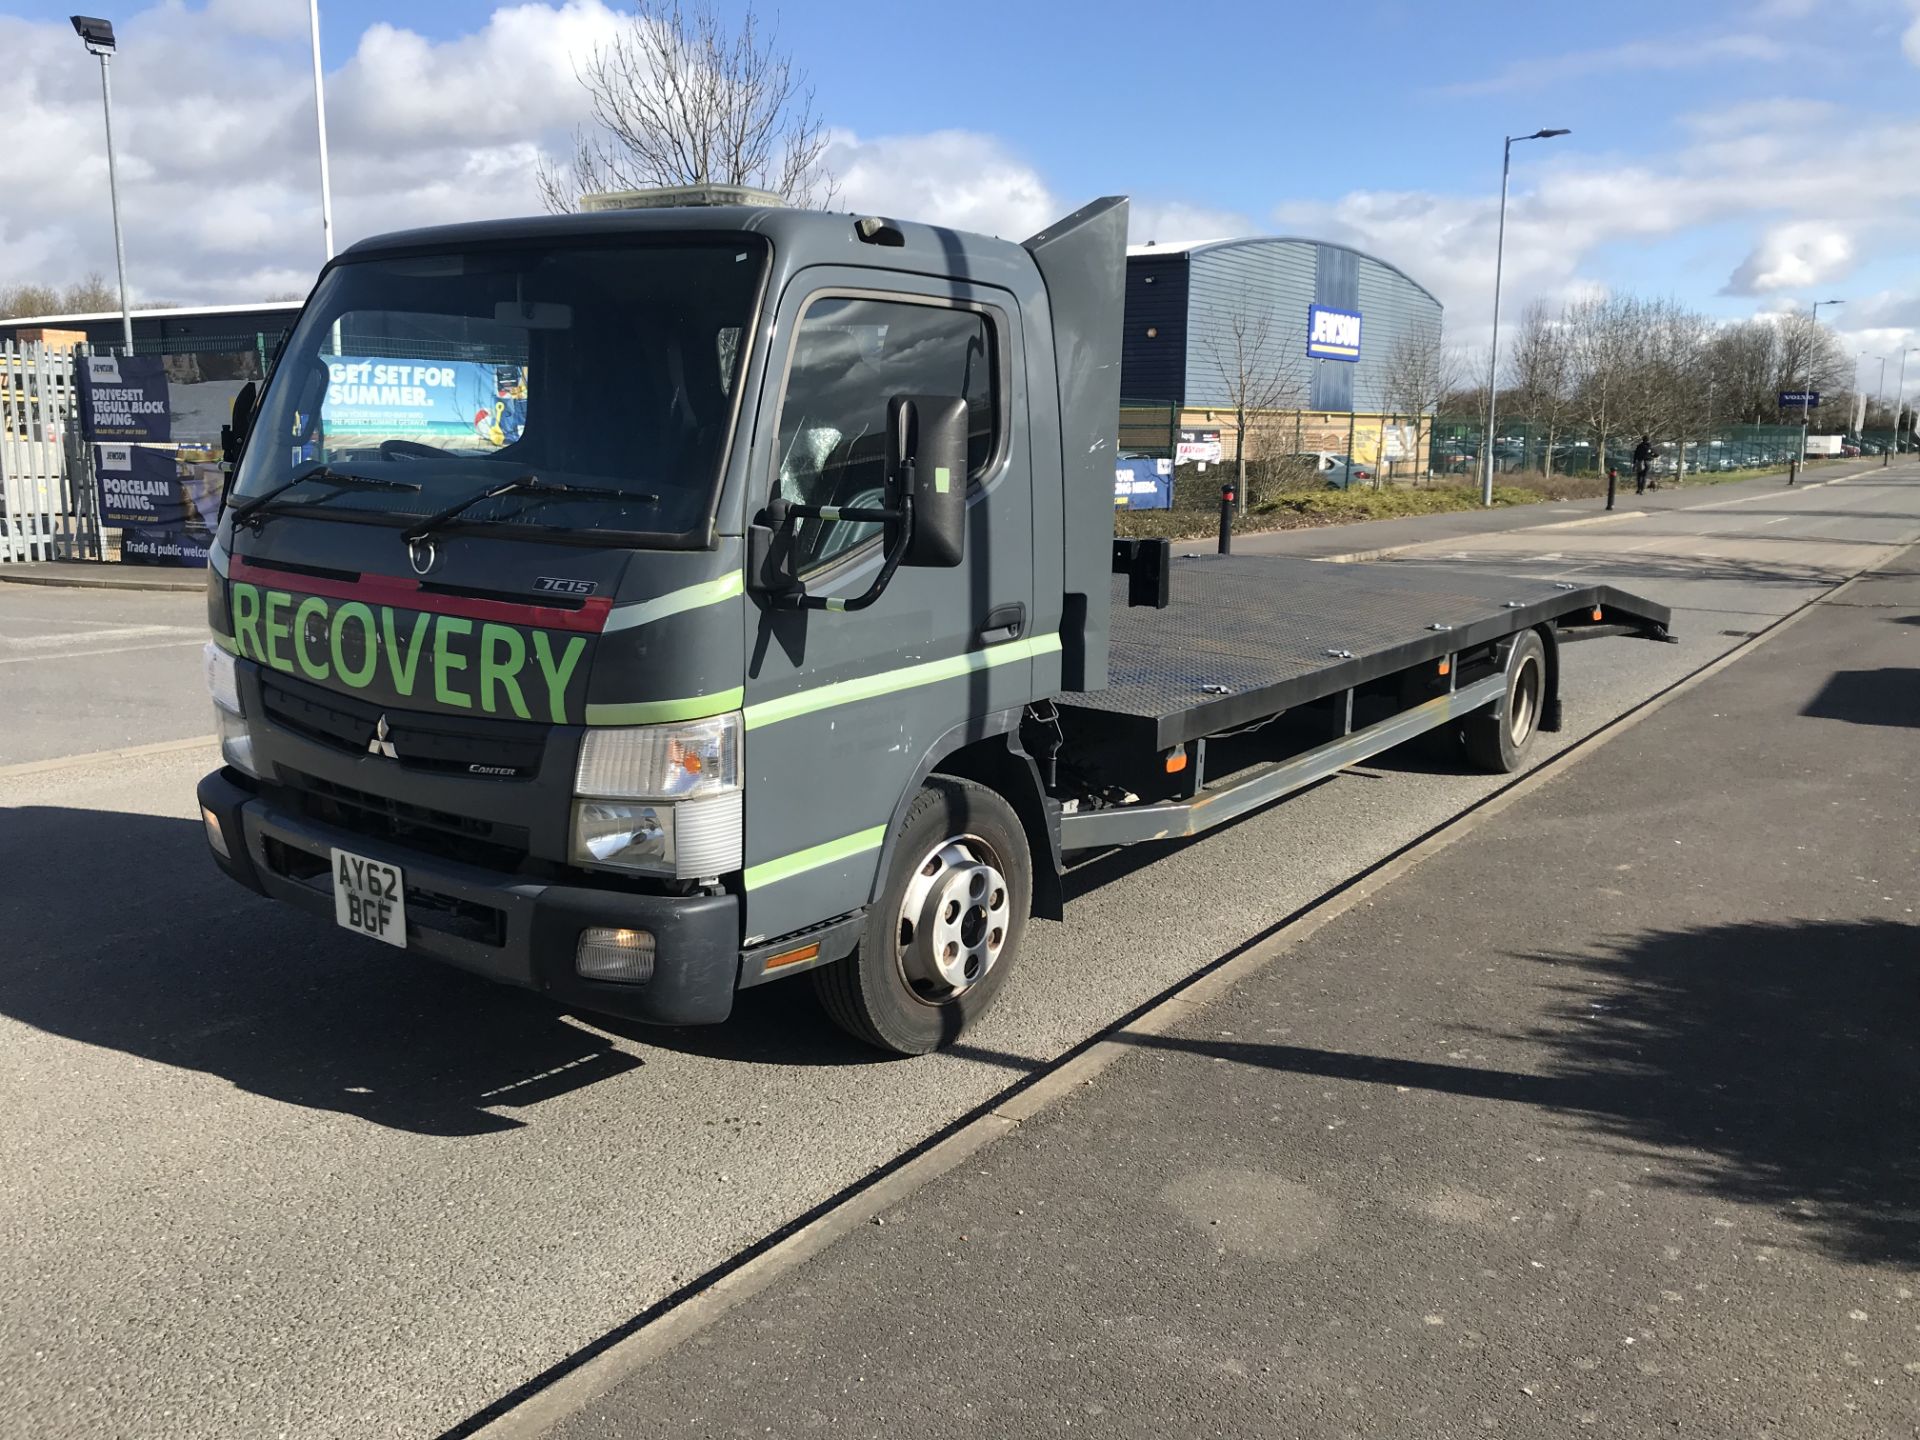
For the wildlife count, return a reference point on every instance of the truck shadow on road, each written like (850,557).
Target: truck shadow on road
(1760,1064)
(1888,696)
(121,934)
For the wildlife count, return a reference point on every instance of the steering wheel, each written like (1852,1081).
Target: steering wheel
(413,450)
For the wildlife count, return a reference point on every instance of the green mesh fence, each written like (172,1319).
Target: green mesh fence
(1522,446)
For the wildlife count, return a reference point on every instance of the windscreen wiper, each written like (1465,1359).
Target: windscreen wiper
(528,484)
(326,475)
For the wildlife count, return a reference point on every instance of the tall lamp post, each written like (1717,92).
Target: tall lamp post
(1806,400)
(1879,393)
(1900,397)
(320,120)
(97,36)
(1499,257)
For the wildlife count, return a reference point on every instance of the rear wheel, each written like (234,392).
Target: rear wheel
(946,929)
(1499,736)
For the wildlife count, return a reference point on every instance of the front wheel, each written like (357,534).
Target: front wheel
(946,929)
(1499,736)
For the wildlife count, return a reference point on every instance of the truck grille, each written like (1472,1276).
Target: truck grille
(464,838)
(506,749)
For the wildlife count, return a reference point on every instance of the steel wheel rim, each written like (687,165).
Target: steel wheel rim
(954,921)
(1524,708)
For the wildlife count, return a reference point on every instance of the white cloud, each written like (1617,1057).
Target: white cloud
(214,129)
(1674,52)
(956,178)
(1818,195)
(1910,41)
(1177,223)
(1748,116)
(1791,256)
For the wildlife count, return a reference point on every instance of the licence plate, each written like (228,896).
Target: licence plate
(370,897)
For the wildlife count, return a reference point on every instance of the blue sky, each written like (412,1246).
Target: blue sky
(1743,157)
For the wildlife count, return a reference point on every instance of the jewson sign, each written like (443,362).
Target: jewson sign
(1333,334)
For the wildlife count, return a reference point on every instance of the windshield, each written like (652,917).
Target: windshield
(607,367)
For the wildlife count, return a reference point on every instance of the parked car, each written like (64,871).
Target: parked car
(1339,471)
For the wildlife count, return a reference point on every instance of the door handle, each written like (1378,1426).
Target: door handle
(1004,622)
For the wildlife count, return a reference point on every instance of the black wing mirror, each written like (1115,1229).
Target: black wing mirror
(927,450)
(233,435)
(925,525)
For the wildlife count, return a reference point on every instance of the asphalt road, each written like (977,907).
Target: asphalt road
(260,1177)
(1604,1119)
(89,670)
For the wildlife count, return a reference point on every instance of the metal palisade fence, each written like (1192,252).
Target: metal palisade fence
(48,509)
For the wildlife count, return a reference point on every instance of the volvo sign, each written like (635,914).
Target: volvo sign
(1333,334)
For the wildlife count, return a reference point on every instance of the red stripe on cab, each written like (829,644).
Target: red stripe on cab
(408,594)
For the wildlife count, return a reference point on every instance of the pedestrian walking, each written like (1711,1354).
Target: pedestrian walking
(1643,465)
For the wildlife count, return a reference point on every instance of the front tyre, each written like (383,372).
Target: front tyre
(1499,736)
(946,929)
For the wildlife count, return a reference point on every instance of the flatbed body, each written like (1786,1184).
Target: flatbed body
(1247,637)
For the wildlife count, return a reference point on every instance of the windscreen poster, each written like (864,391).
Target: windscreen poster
(449,404)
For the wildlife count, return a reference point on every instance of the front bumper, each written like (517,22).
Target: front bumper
(517,931)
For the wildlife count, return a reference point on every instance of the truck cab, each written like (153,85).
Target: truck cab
(596,595)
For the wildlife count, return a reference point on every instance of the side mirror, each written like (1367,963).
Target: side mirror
(927,438)
(243,405)
(233,435)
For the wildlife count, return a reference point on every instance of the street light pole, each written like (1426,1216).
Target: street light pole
(97,36)
(1499,259)
(1806,400)
(1900,396)
(1880,392)
(320,119)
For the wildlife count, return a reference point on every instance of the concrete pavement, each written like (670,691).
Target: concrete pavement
(265,1176)
(1605,1119)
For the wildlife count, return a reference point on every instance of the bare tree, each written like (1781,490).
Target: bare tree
(90,293)
(18,300)
(1420,371)
(1253,376)
(1809,356)
(1540,371)
(681,98)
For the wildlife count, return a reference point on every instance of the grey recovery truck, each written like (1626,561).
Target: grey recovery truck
(644,605)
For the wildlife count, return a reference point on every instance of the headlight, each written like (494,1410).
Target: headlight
(638,837)
(664,799)
(223,680)
(661,762)
(236,744)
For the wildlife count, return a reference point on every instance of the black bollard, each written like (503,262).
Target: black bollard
(1793,471)
(1226,519)
(1613,479)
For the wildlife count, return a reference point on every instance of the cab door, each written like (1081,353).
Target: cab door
(845,710)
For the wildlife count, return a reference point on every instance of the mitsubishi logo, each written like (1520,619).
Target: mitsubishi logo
(380,744)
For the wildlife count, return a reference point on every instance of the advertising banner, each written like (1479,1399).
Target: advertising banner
(454,404)
(166,501)
(1142,485)
(1198,444)
(124,397)
(144,545)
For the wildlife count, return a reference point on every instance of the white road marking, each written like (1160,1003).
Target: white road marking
(110,650)
(118,632)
